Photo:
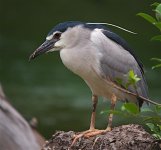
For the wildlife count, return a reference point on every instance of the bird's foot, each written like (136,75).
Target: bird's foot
(89,133)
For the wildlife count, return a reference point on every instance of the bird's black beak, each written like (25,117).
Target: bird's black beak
(45,47)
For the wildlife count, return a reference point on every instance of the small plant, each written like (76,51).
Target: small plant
(132,80)
(151,117)
(154,122)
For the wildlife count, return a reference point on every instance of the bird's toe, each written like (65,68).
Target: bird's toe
(89,133)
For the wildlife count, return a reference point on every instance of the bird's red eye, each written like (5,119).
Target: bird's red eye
(57,35)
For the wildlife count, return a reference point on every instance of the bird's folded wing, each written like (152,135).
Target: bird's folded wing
(117,60)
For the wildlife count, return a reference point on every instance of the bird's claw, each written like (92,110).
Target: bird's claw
(89,133)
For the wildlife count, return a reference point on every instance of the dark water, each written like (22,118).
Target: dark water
(44,88)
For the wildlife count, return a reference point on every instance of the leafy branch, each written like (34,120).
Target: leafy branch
(156,21)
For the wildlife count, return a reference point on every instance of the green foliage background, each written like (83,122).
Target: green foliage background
(44,88)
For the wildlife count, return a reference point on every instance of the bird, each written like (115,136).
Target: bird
(100,57)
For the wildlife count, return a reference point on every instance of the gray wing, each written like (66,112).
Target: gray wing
(118,60)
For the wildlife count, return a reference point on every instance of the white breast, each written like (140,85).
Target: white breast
(86,66)
(78,60)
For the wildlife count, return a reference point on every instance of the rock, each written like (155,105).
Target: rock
(125,137)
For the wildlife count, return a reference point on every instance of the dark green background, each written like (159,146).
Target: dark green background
(44,88)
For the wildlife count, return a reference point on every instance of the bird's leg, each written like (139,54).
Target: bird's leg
(110,118)
(92,131)
(93,116)
(92,124)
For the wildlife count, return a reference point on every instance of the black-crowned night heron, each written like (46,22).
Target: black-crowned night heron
(99,57)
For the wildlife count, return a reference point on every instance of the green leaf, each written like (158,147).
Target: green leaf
(148,119)
(151,126)
(155,4)
(157,37)
(132,78)
(156,119)
(154,128)
(158,8)
(148,17)
(131,108)
(156,59)
(157,136)
(156,66)
(159,126)
(158,12)
(158,25)
(131,73)
(158,109)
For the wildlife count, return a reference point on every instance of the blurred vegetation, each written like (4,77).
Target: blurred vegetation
(44,88)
